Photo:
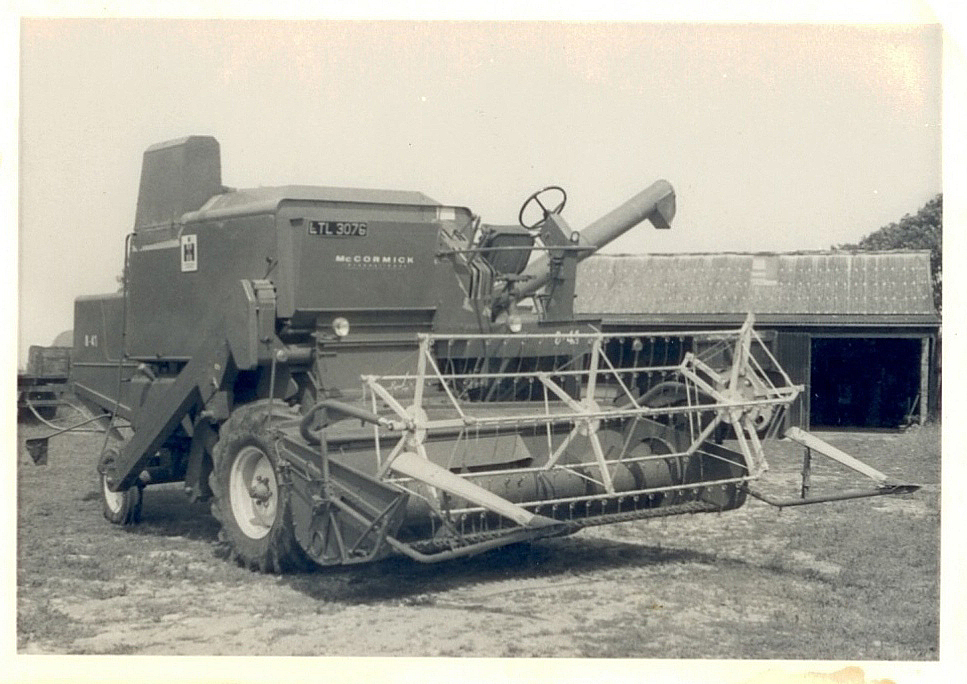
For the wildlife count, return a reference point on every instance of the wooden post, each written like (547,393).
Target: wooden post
(806,467)
(924,377)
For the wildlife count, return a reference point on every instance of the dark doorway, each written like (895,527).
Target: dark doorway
(864,382)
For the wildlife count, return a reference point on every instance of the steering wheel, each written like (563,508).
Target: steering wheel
(536,198)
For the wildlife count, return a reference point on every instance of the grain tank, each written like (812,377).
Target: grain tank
(350,373)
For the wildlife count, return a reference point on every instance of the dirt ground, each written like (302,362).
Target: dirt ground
(846,580)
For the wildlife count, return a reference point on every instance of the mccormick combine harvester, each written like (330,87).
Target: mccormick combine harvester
(352,373)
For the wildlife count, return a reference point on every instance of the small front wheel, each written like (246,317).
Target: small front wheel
(121,508)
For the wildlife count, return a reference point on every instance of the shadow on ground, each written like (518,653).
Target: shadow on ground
(404,580)
(166,512)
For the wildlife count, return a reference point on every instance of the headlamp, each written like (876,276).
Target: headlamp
(340,326)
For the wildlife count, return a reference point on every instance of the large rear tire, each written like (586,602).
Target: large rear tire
(250,498)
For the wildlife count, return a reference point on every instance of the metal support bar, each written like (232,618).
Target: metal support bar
(806,466)
(588,424)
(375,528)
(828,450)
(470,549)
(740,361)
(390,400)
(839,496)
(37,446)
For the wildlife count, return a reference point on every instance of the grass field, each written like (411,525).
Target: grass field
(846,580)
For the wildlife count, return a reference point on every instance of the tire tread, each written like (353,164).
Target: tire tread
(278,551)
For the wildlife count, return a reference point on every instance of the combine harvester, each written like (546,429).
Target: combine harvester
(349,373)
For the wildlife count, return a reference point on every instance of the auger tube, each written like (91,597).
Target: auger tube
(655,203)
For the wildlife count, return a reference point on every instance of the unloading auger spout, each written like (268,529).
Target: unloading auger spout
(656,203)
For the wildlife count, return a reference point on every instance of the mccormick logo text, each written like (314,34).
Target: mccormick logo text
(374,261)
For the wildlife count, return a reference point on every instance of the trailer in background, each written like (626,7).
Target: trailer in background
(41,388)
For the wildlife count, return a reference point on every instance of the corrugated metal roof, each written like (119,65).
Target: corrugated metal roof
(794,284)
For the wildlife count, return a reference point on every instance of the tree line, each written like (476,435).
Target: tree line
(923,230)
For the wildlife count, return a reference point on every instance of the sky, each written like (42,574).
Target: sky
(776,137)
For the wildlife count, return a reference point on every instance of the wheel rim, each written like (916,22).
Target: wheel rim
(113,500)
(253,492)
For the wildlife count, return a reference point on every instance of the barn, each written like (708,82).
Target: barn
(858,329)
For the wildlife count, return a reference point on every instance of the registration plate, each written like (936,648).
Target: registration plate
(341,229)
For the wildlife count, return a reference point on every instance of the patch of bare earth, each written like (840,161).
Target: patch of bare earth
(848,580)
